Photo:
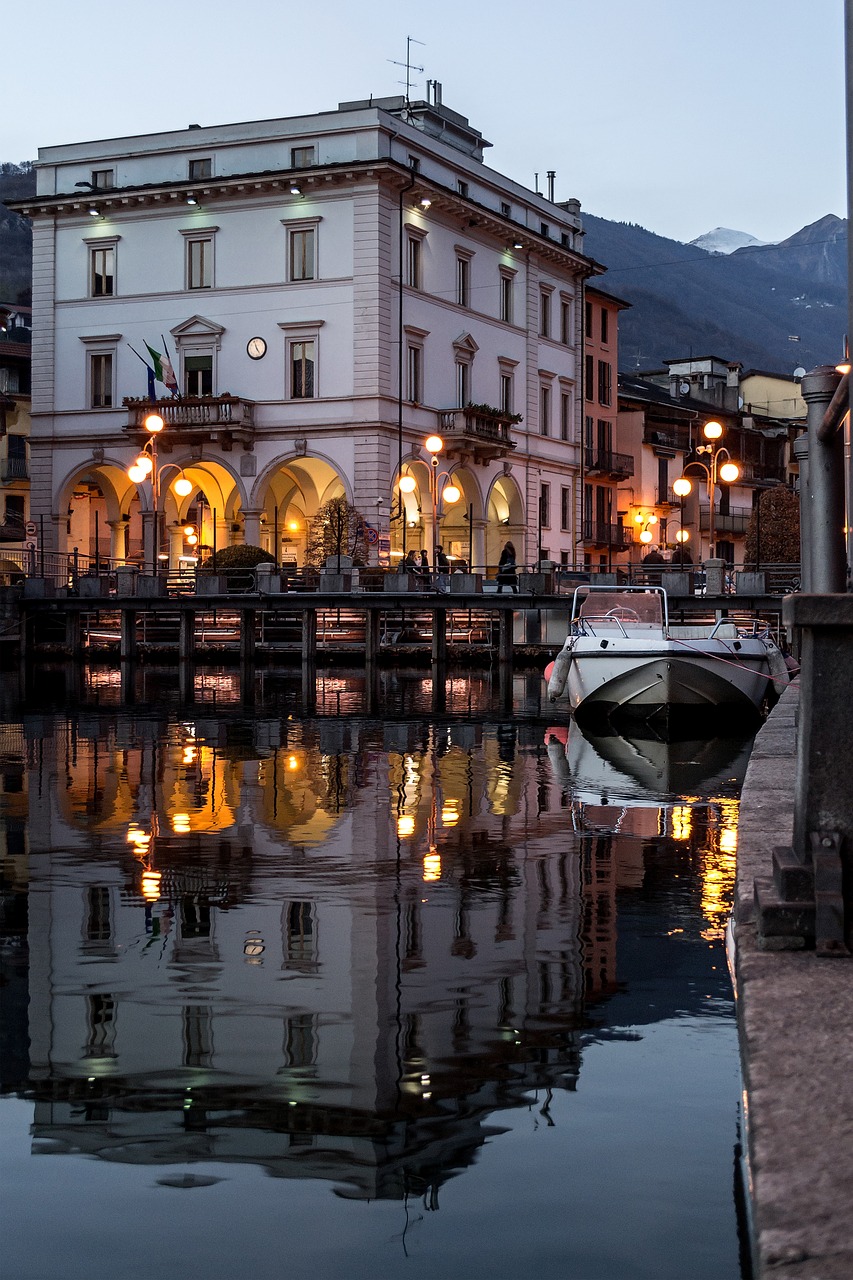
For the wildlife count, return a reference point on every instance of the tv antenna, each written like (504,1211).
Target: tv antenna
(409,65)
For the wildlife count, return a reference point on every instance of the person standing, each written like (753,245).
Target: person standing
(508,570)
(442,570)
(424,569)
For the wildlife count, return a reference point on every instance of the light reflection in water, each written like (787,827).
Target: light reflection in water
(346,950)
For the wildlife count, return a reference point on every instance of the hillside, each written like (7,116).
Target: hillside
(747,305)
(16,238)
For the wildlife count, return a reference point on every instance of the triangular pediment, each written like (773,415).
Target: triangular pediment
(465,345)
(197,327)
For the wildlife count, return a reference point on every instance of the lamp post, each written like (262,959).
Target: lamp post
(146,466)
(450,493)
(719,468)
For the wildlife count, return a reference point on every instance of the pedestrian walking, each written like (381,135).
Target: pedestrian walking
(508,569)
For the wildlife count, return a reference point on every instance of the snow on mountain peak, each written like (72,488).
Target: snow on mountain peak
(724,240)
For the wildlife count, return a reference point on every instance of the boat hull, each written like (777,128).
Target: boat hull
(631,680)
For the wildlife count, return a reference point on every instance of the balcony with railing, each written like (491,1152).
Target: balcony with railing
(735,521)
(604,462)
(598,533)
(478,430)
(14,469)
(225,420)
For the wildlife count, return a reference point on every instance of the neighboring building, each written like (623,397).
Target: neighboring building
(331,290)
(15,361)
(664,411)
(605,463)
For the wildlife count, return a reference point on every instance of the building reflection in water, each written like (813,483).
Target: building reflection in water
(331,948)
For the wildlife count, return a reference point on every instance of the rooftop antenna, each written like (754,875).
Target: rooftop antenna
(410,67)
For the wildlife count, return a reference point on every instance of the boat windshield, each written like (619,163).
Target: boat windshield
(630,608)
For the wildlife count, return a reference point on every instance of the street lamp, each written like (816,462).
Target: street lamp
(719,468)
(146,467)
(450,493)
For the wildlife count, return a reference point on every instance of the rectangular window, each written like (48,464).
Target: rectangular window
(565,416)
(463,384)
(544,314)
(544,506)
(201,168)
(604,382)
(198,374)
(663,480)
(15,509)
(462,188)
(101,380)
(589,370)
(301,264)
(566,323)
(565,508)
(587,319)
(199,264)
(506,393)
(103,179)
(102,272)
(414,365)
(463,282)
(544,229)
(414,263)
(604,325)
(16,460)
(506,209)
(414,164)
(302,371)
(301,157)
(545,410)
(506,299)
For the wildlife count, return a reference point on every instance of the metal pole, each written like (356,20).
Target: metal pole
(97,543)
(470,537)
(712,487)
(155,502)
(275,533)
(825,491)
(213,510)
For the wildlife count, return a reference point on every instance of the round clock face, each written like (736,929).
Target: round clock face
(256,348)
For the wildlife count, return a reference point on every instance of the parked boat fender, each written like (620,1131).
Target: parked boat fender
(559,674)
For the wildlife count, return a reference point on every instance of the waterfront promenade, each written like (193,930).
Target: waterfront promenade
(795,1017)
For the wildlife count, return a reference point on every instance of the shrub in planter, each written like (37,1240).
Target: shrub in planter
(240,556)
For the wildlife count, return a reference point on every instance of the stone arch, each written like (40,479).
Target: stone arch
(288,494)
(505,519)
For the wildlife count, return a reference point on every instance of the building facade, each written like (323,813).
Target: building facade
(316,297)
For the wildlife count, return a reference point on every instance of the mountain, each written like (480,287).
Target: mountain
(17,182)
(724,240)
(770,306)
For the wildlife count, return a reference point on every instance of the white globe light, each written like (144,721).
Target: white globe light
(451,494)
(712,430)
(408,484)
(145,464)
(183,486)
(433,444)
(682,486)
(153,423)
(646,536)
(136,474)
(729,471)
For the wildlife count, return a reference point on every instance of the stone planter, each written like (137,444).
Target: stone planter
(210,584)
(466,583)
(335,581)
(92,588)
(750,583)
(401,582)
(539,584)
(150,588)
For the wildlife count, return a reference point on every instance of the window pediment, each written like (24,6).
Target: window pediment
(465,346)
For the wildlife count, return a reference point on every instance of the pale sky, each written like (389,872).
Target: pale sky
(679,115)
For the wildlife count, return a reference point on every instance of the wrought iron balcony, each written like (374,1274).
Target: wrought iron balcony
(604,462)
(225,420)
(14,469)
(599,533)
(476,431)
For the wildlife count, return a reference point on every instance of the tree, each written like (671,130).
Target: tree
(773,536)
(336,530)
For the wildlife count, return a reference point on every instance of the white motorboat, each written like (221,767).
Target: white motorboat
(623,657)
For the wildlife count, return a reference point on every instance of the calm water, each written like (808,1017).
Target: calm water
(427,995)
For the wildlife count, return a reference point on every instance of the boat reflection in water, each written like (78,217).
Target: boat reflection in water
(354,951)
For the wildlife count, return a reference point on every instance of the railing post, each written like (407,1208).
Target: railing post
(824,491)
(128,635)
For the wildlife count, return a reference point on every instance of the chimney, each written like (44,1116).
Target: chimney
(551,175)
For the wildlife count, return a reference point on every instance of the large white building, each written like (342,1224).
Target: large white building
(331,290)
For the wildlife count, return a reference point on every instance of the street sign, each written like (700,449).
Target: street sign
(31,528)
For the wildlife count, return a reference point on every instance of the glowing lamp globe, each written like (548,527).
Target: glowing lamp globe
(683,535)
(183,487)
(154,423)
(144,463)
(451,494)
(646,535)
(433,444)
(729,471)
(682,487)
(136,474)
(712,430)
(652,520)
(408,484)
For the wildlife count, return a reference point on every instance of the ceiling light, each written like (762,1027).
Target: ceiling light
(94,211)
(191,199)
(516,244)
(424,203)
(295,189)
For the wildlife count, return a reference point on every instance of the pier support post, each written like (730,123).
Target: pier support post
(505,637)
(372,619)
(186,635)
(309,661)
(128,648)
(73,633)
(247,637)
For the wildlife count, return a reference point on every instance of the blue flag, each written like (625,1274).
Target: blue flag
(152,390)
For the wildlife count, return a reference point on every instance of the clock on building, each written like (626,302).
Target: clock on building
(257,348)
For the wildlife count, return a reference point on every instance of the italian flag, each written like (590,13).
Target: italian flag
(163,370)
